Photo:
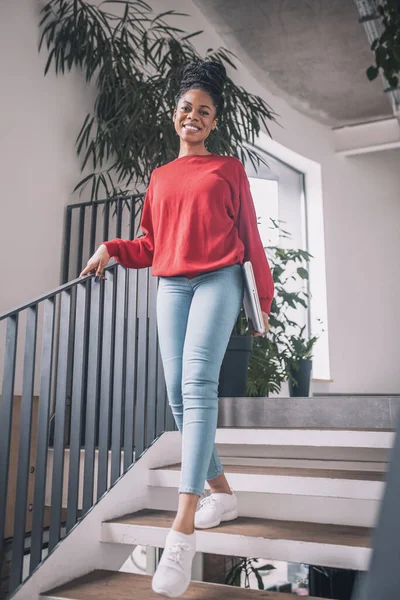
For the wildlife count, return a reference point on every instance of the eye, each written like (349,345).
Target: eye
(205,113)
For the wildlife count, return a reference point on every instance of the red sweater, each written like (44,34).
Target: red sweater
(198,216)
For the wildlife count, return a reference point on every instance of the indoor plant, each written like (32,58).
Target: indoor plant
(134,59)
(386,48)
(266,373)
(298,362)
(267,370)
(265,357)
(247,567)
(256,366)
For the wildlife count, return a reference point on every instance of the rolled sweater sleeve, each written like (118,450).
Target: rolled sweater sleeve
(137,253)
(254,250)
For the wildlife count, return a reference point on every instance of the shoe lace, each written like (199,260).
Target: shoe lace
(209,501)
(175,551)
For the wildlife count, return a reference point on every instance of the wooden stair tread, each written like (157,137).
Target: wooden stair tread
(110,585)
(299,531)
(296,472)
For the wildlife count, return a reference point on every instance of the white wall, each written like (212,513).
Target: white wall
(362,232)
(40,118)
(39,121)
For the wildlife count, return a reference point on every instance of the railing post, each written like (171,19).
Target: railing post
(105,383)
(46,371)
(119,370)
(141,388)
(67,245)
(92,396)
(25,431)
(119,208)
(78,390)
(6,407)
(59,424)
(151,399)
(132,217)
(81,235)
(130,373)
(93,224)
(106,222)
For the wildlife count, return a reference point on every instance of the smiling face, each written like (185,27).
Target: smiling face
(195,117)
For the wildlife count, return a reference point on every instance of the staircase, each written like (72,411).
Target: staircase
(305,496)
(82,395)
(90,464)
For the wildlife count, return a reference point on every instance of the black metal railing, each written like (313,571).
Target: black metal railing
(87,224)
(82,389)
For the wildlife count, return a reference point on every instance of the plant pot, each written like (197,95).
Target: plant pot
(327,582)
(233,375)
(302,375)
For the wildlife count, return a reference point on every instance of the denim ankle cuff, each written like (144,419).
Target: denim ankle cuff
(214,474)
(188,490)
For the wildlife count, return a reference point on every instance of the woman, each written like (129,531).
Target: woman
(200,225)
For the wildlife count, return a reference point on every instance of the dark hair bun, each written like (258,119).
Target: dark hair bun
(207,75)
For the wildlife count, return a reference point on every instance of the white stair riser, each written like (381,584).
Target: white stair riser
(272,484)
(304,463)
(306,437)
(312,509)
(81,551)
(239,545)
(294,452)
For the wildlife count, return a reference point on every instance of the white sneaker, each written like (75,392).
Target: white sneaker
(214,509)
(174,570)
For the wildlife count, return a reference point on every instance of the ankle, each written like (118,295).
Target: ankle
(183,527)
(221,490)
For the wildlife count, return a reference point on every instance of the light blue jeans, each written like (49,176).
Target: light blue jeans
(195,320)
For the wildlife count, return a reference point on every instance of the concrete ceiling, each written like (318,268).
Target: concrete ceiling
(314,53)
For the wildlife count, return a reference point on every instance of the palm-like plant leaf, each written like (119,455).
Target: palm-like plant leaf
(135,59)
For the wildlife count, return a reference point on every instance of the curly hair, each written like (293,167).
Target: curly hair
(207,75)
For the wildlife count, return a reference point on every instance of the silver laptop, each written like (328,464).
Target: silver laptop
(251,301)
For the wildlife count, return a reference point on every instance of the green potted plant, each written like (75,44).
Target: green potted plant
(247,567)
(298,356)
(386,47)
(256,366)
(266,373)
(267,370)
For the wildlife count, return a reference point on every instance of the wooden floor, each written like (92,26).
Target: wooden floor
(339,535)
(108,585)
(297,472)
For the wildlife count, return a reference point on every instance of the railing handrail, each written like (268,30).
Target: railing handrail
(46,296)
(105,200)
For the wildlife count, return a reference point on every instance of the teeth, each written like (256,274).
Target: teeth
(191,127)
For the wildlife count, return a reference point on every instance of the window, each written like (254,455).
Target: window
(290,189)
(278,194)
(265,196)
